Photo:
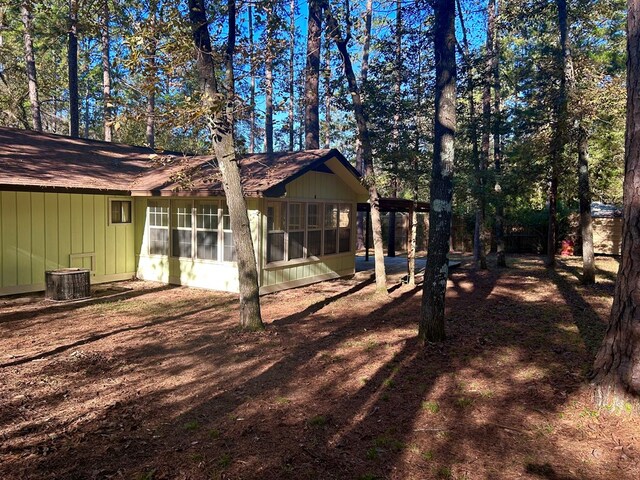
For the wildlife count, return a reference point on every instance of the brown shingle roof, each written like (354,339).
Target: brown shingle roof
(31,160)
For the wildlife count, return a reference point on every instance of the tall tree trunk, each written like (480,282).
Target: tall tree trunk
(220,106)
(497,144)
(473,132)
(268,79)
(25,13)
(327,94)
(437,269)
(72,62)
(487,81)
(616,375)
(364,71)
(365,142)
(106,70)
(311,94)
(562,129)
(584,193)
(397,86)
(413,223)
(151,76)
(292,52)
(252,87)
(87,88)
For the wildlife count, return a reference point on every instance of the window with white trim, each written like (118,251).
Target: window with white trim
(344,228)
(198,230)
(207,230)
(296,230)
(314,229)
(330,228)
(229,249)
(276,224)
(181,228)
(158,213)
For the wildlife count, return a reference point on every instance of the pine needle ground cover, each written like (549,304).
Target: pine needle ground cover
(149,381)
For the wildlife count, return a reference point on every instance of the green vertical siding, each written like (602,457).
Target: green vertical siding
(320,186)
(43,231)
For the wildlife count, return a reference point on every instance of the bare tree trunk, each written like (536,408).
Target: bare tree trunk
(268,79)
(150,132)
(72,61)
(106,70)
(437,270)
(311,94)
(151,78)
(292,51)
(220,107)
(497,146)
(397,112)
(327,94)
(584,193)
(364,71)
(252,88)
(616,375)
(481,259)
(413,221)
(25,13)
(562,129)
(365,142)
(473,135)
(87,88)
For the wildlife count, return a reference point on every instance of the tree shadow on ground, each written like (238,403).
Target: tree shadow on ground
(51,307)
(344,390)
(589,322)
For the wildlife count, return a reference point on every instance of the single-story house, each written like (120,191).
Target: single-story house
(124,212)
(607,228)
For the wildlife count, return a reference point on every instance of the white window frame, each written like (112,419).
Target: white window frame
(305,203)
(191,229)
(217,256)
(165,204)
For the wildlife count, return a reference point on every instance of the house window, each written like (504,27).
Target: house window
(229,250)
(296,230)
(120,211)
(198,230)
(158,228)
(207,230)
(344,234)
(314,230)
(181,228)
(330,228)
(276,222)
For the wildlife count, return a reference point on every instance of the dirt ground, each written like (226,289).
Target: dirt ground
(149,381)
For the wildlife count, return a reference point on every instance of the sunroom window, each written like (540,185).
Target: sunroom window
(345,228)
(198,229)
(330,228)
(158,228)
(296,230)
(207,230)
(276,223)
(181,228)
(314,230)
(229,249)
